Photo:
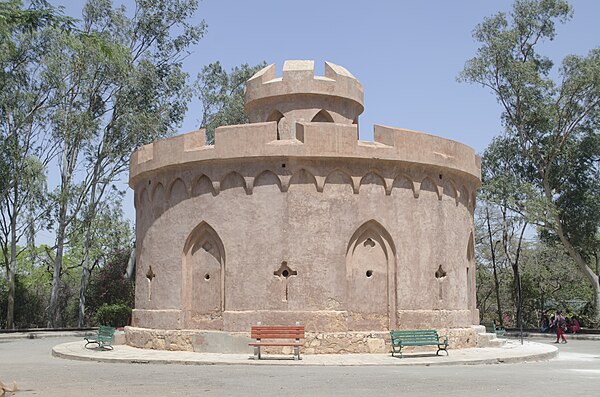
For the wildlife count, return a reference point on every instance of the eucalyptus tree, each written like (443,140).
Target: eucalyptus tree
(505,200)
(552,123)
(222,95)
(123,86)
(26,100)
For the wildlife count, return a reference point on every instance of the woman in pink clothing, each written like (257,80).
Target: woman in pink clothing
(575,326)
(561,325)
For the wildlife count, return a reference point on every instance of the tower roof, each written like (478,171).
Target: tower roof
(299,79)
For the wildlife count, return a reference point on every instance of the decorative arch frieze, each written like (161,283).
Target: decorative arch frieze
(179,189)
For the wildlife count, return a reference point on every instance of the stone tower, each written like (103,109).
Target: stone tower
(293,218)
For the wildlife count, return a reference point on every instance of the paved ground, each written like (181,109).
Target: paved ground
(511,352)
(30,363)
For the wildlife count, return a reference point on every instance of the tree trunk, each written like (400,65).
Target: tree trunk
(496,281)
(85,269)
(89,222)
(85,277)
(54,309)
(54,314)
(10,311)
(593,278)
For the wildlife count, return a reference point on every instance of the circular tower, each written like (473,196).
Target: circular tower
(292,218)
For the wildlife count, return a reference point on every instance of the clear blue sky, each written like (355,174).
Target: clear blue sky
(407,54)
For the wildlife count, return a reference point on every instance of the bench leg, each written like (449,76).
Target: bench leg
(296,353)
(257,352)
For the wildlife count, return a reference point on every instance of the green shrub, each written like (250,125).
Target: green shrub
(115,315)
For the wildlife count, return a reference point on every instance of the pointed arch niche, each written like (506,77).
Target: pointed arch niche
(371,278)
(471,294)
(203,271)
(322,116)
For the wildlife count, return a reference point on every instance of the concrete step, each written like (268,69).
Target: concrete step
(486,339)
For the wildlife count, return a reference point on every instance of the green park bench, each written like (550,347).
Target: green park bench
(492,328)
(424,337)
(103,338)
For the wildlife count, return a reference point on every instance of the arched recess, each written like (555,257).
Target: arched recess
(338,181)
(471,294)
(372,183)
(177,192)
(303,180)
(233,180)
(267,178)
(277,116)
(403,186)
(203,272)
(158,200)
(449,190)
(202,185)
(142,200)
(463,196)
(428,186)
(322,117)
(371,278)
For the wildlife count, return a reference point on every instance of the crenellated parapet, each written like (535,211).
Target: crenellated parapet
(300,96)
(318,141)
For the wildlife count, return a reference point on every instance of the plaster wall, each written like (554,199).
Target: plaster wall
(312,231)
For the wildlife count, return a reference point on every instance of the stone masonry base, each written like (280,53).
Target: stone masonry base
(314,343)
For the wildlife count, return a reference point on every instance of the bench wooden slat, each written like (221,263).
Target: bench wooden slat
(276,344)
(261,332)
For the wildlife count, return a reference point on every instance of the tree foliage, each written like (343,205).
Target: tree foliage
(551,126)
(222,95)
(120,85)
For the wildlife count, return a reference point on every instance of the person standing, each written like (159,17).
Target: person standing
(561,325)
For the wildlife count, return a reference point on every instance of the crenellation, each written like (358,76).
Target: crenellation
(315,140)
(195,140)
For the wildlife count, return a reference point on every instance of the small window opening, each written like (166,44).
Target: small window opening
(369,273)
(322,117)
(369,243)
(440,273)
(285,271)
(276,115)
